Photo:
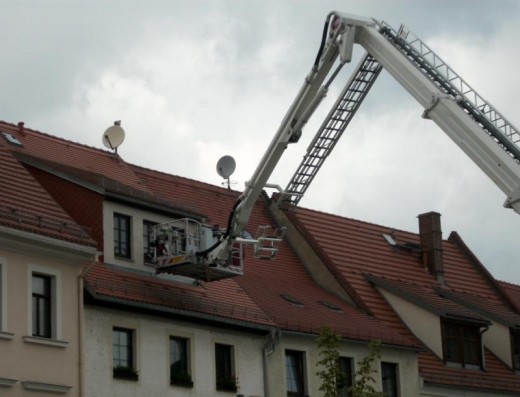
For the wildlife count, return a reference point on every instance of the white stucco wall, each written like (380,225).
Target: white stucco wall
(137,217)
(406,361)
(153,356)
(498,339)
(424,324)
(40,364)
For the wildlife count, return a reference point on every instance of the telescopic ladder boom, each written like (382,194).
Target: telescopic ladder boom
(332,128)
(480,130)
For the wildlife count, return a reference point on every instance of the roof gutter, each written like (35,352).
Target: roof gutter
(181,312)
(41,240)
(157,207)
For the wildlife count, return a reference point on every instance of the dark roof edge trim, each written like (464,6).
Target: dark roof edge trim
(180,312)
(457,240)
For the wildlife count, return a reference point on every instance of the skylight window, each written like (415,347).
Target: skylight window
(11,139)
(292,299)
(331,306)
(390,239)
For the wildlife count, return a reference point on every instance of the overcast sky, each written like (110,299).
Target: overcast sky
(195,80)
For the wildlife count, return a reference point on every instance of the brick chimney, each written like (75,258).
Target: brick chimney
(430,234)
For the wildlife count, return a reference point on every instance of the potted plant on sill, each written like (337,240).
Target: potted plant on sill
(126,373)
(180,378)
(227,383)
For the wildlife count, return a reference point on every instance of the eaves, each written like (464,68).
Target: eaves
(181,314)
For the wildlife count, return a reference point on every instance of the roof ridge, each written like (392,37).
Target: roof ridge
(157,173)
(508,283)
(359,220)
(46,135)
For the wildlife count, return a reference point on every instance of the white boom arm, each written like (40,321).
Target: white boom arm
(501,168)
(338,40)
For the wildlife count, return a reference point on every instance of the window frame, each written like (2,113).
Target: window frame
(147,234)
(42,306)
(56,315)
(466,344)
(119,232)
(129,371)
(348,376)
(183,378)
(394,381)
(225,379)
(515,350)
(300,378)
(3,295)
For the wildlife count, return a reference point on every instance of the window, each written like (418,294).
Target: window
(294,369)
(462,345)
(179,368)
(515,339)
(41,306)
(345,366)
(122,247)
(3,295)
(224,368)
(148,249)
(123,354)
(389,375)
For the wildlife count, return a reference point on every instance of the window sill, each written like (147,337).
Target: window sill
(46,387)
(185,384)
(7,382)
(124,258)
(45,341)
(6,335)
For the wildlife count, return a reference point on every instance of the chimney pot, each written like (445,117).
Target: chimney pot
(430,234)
(21,128)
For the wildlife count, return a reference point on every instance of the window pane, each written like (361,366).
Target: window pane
(516,350)
(462,344)
(294,372)
(389,377)
(345,366)
(122,347)
(223,360)
(148,249)
(179,373)
(41,306)
(122,235)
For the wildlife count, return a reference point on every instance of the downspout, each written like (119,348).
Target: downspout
(269,347)
(81,346)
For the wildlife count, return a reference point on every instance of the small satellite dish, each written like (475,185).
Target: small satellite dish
(114,136)
(226,166)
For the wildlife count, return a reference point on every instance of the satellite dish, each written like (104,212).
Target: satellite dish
(114,136)
(226,166)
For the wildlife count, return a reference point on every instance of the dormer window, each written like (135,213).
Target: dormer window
(122,229)
(515,342)
(462,345)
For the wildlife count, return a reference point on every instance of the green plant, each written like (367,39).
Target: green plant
(364,379)
(180,377)
(227,383)
(330,372)
(121,372)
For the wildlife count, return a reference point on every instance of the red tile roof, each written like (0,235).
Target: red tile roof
(513,292)
(254,298)
(26,206)
(356,253)
(266,281)
(75,155)
(219,300)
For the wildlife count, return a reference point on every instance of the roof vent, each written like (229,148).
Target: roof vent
(292,299)
(12,139)
(331,306)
